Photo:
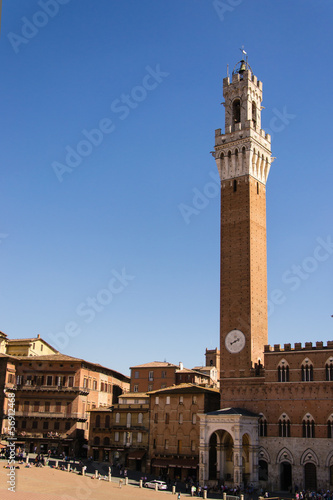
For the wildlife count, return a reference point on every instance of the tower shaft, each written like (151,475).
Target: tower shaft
(243,159)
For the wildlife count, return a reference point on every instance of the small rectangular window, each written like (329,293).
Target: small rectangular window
(167,401)
(116,436)
(157,400)
(136,374)
(151,376)
(136,388)
(139,439)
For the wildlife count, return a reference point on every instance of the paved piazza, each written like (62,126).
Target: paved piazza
(44,483)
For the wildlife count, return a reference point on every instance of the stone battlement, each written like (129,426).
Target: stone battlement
(298,347)
(247,75)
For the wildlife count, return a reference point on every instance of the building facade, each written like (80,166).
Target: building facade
(53,396)
(174,428)
(274,426)
(119,435)
(152,376)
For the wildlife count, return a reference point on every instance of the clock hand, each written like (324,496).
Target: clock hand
(237,340)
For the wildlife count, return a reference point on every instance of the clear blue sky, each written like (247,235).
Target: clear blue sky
(149,75)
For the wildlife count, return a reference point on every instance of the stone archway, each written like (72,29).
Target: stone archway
(285,476)
(228,450)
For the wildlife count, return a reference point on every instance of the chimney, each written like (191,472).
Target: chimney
(181,366)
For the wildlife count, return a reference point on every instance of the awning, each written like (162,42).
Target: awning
(185,463)
(136,455)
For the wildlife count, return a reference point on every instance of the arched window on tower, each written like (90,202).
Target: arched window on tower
(329,369)
(284,426)
(262,426)
(330,427)
(283,371)
(307,371)
(236,118)
(308,426)
(254,114)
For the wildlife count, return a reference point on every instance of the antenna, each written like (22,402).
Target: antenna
(228,70)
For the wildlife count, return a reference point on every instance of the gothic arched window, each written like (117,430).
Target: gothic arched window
(283,372)
(254,114)
(308,427)
(307,371)
(284,426)
(329,369)
(262,426)
(236,118)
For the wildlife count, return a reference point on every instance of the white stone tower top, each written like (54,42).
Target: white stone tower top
(244,148)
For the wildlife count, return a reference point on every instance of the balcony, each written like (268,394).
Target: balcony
(83,391)
(41,435)
(81,417)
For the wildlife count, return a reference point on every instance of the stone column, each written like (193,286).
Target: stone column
(238,473)
(254,465)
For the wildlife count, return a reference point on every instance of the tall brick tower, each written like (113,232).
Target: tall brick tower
(243,159)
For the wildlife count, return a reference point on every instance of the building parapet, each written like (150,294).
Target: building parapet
(298,347)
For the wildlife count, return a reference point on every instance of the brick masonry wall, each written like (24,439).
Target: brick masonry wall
(243,271)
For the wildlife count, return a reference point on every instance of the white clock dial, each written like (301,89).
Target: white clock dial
(235,341)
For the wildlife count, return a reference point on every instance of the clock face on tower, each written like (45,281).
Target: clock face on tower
(235,341)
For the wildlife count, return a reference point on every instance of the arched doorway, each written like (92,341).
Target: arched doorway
(285,476)
(213,457)
(263,470)
(310,477)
